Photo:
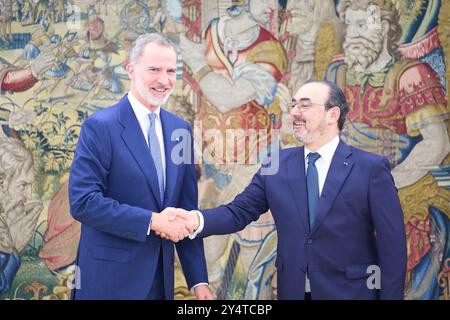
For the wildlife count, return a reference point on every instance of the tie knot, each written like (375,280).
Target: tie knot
(312,157)
(152,117)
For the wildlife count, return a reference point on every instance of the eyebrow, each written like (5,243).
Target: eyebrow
(302,99)
(160,68)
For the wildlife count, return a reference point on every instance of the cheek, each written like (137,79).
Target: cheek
(172,79)
(145,79)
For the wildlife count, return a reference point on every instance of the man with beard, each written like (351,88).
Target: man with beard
(18,214)
(126,170)
(336,209)
(397,108)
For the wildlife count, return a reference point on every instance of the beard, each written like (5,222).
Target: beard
(306,137)
(12,208)
(147,96)
(361,52)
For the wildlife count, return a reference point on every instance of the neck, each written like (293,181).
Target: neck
(149,106)
(314,146)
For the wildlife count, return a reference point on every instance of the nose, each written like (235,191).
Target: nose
(353,31)
(163,79)
(295,111)
(28,192)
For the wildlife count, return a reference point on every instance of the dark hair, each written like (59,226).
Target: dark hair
(336,98)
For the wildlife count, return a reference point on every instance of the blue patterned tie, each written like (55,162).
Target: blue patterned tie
(155,151)
(312,184)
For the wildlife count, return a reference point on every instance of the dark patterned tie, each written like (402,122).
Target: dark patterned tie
(312,184)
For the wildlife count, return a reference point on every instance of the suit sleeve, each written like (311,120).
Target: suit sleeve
(191,252)
(235,216)
(387,216)
(88,184)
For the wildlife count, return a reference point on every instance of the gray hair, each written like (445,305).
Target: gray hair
(143,40)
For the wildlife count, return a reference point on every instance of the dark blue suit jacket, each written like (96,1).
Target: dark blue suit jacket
(359,223)
(113,191)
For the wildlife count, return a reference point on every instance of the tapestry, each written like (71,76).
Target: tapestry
(239,64)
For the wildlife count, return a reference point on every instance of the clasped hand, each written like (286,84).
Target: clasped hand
(174,224)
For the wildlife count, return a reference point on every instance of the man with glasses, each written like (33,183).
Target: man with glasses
(336,209)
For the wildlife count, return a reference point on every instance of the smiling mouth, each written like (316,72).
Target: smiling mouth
(159,90)
(299,124)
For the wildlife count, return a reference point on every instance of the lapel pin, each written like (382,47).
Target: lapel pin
(345,163)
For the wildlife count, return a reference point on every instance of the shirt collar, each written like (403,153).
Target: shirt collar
(327,150)
(139,109)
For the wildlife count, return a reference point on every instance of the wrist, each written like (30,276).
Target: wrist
(155,221)
(195,219)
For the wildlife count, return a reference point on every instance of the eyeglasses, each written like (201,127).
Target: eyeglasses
(304,105)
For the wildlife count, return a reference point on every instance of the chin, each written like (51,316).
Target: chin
(302,137)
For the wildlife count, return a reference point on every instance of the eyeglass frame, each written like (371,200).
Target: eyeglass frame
(304,107)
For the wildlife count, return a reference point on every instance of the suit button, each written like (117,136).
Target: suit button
(310,241)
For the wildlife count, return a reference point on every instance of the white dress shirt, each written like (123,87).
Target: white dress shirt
(142,113)
(323,165)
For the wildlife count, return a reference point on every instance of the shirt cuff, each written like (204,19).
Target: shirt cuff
(200,225)
(150,224)
(200,283)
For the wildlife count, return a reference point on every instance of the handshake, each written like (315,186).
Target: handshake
(175,224)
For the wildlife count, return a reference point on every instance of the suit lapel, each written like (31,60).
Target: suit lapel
(340,167)
(171,168)
(135,142)
(295,173)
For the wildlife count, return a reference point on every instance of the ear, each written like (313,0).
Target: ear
(130,69)
(333,115)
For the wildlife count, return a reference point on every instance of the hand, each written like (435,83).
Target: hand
(190,220)
(6,243)
(23,222)
(202,292)
(43,63)
(167,226)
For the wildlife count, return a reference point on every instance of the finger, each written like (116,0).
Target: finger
(172,216)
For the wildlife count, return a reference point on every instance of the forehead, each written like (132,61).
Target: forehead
(25,170)
(158,55)
(314,91)
(352,15)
